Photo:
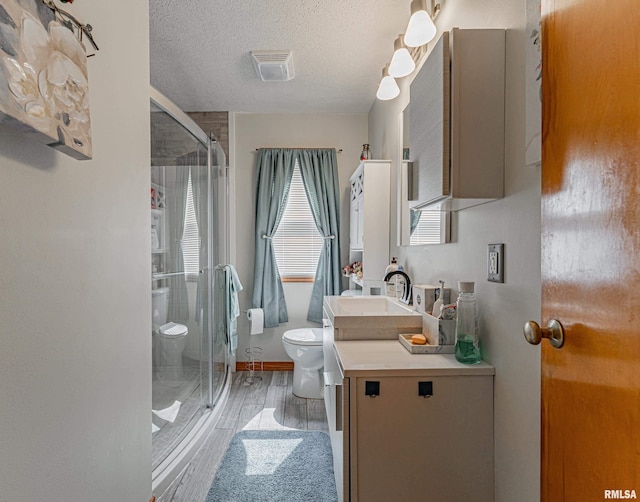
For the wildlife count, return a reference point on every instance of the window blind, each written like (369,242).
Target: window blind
(190,237)
(297,243)
(428,229)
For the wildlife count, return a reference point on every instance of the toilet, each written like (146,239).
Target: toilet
(304,346)
(170,337)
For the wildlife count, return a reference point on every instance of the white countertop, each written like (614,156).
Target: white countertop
(369,357)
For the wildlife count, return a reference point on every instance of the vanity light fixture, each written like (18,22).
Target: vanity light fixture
(388,88)
(421,28)
(402,63)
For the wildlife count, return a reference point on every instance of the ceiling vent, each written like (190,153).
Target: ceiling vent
(273,66)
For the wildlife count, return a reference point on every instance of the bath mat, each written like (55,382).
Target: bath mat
(276,466)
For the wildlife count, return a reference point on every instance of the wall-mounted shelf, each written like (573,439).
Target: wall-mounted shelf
(369,222)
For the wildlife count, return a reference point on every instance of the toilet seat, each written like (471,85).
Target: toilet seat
(172,330)
(309,337)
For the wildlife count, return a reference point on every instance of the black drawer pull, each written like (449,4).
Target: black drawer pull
(371,389)
(425,389)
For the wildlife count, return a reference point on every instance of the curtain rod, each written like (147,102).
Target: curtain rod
(338,150)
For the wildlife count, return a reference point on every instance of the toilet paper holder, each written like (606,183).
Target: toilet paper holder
(255,363)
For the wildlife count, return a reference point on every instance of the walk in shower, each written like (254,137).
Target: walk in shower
(188,238)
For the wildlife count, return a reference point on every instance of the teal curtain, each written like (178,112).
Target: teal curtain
(319,170)
(275,169)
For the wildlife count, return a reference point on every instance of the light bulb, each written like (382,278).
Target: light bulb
(402,64)
(421,29)
(388,88)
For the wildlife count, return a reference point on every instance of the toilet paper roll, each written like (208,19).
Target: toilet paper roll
(256,316)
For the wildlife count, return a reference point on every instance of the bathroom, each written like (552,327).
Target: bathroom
(74,260)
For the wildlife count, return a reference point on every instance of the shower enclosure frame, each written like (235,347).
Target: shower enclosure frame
(168,470)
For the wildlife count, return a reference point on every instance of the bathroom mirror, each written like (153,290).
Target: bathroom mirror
(416,227)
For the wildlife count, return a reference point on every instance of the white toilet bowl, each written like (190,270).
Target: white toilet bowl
(304,346)
(171,339)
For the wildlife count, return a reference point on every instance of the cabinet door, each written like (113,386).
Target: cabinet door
(429,130)
(336,399)
(406,447)
(359,222)
(355,233)
(357,209)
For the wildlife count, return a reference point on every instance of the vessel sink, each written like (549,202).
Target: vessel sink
(370,306)
(370,317)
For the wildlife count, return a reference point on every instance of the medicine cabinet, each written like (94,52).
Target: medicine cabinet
(456,117)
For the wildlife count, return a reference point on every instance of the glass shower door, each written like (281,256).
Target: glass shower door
(220,252)
(182,234)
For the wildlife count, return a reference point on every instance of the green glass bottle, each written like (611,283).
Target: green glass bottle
(467,349)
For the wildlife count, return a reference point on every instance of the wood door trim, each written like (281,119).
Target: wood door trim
(267,366)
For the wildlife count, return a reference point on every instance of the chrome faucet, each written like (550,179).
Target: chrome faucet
(407,288)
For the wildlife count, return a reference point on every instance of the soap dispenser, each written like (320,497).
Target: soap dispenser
(439,303)
(390,287)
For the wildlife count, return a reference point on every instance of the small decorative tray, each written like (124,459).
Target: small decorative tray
(405,341)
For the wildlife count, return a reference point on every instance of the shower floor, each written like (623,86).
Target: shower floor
(176,404)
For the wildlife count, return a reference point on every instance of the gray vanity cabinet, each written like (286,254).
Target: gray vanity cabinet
(408,447)
(409,427)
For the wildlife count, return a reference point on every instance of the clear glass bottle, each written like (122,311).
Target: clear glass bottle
(366,154)
(467,349)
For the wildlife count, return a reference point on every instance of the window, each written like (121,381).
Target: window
(191,237)
(428,229)
(297,243)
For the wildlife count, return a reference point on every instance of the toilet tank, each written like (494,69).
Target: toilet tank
(159,305)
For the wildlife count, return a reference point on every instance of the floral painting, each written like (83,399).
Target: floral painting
(44,87)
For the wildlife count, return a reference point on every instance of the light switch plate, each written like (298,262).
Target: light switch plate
(495,264)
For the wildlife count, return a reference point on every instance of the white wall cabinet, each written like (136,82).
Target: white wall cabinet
(356,216)
(457,121)
(369,223)
(405,431)
(159,238)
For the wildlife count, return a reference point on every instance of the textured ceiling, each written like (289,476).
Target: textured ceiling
(200,52)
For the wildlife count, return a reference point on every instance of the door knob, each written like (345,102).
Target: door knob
(554,332)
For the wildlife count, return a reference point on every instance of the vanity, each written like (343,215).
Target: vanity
(403,426)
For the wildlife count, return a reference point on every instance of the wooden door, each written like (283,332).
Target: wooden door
(591,249)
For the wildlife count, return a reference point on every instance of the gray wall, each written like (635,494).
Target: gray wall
(75,308)
(515,221)
(253,131)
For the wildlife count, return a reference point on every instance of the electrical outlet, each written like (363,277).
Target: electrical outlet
(495,265)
